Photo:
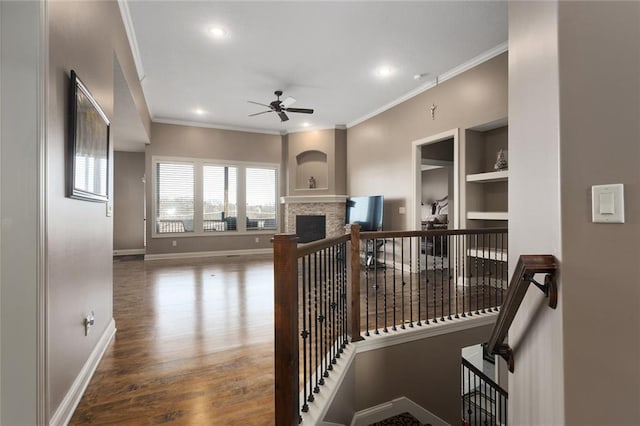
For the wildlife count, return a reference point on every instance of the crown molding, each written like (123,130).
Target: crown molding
(215,126)
(483,57)
(131,35)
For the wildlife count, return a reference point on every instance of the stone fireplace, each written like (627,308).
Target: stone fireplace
(332,207)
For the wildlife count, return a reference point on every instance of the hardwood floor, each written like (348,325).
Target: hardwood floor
(194,345)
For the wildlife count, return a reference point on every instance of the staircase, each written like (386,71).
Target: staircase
(484,402)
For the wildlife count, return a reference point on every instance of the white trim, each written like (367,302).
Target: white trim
(488,215)
(216,126)
(218,253)
(125,13)
(68,405)
(129,252)
(42,402)
(307,199)
(486,177)
(483,57)
(410,334)
(393,408)
(324,399)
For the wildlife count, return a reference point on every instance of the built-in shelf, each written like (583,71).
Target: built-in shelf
(499,176)
(486,253)
(488,215)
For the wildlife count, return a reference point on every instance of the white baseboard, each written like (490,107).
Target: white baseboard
(128,252)
(218,253)
(65,410)
(393,408)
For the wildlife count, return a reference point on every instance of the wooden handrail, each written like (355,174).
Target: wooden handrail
(316,246)
(527,267)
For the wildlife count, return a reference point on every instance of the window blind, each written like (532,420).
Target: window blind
(175,197)
(220,184)
(261,198)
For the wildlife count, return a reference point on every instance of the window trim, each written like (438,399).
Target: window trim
(198,164)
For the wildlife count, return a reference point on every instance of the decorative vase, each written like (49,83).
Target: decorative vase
(312,182)
(501,161)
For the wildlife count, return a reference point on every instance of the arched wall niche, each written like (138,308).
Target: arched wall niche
(312,170)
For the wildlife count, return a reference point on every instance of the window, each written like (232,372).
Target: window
(220,202)
(175,197)
(261,198)
(204,197)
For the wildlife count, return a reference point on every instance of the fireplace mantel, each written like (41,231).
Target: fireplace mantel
(297,199)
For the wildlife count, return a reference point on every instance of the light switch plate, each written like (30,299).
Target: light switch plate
(109,211)
(607,203)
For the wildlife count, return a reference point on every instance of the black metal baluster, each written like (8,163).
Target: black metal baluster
(384,279)
(323,316)
(464,269)
(393,250)
(403,282)
(477,276)
(497,274)
(503,279)
(441,241)
(366,289)
(484,274)
(311,334)
(426,280)
(456,272)
(334,320)
(345,307)
(375,281)
(304,334)
(419,250)
(435,278)
(448,245)
(410,282)
(316,274)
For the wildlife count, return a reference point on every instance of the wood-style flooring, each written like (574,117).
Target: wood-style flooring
(194,345)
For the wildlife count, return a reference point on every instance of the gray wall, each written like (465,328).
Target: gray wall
(86,37)
(600,143)
(574,103)
(21,281)
(128,200)
(205,143)
(427,371)
(379,149)
(435,186)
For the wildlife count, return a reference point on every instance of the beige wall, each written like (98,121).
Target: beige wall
(330,176)
(128,200)
(86,37)
(536,391)
(426,371)
(205,143)
(600,144)
(379,149)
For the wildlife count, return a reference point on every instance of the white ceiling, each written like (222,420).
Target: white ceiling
(324,54)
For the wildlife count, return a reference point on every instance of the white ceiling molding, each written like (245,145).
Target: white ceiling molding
(131,35)
(483,57)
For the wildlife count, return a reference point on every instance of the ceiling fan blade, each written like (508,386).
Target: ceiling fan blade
(283,116)
(301,110)
(258,113)
(258,103)
(287,102)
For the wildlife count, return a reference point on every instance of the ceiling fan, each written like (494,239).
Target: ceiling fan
(280,107)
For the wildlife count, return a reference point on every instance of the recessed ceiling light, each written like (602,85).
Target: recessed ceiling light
(306,124)
(384,71)
(200,111)
(218,32)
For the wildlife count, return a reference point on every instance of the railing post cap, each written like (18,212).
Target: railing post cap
(284,237)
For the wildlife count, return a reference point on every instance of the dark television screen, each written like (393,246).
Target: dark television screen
(365,211)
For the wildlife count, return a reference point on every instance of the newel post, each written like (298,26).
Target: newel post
(354,282)
(285,280)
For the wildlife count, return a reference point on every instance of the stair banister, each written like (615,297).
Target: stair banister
(528,266)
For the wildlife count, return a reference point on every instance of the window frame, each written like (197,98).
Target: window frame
(198,220)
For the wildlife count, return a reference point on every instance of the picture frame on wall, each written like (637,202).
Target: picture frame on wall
(89,127)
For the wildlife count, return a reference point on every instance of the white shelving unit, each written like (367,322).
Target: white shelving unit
(488,215)
(499,176)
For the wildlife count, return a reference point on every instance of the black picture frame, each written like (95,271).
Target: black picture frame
(89,159)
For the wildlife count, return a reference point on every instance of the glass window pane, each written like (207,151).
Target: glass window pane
(261,198)
(219,188)
(174,197)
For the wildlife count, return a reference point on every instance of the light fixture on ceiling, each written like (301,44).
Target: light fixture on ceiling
(306,124)
(384,71)
(199,111)
(420,76)
(218,32)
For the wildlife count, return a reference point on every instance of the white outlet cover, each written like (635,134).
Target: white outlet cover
(607,203)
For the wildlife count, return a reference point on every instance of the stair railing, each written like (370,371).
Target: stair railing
(484,402)
(528,266)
